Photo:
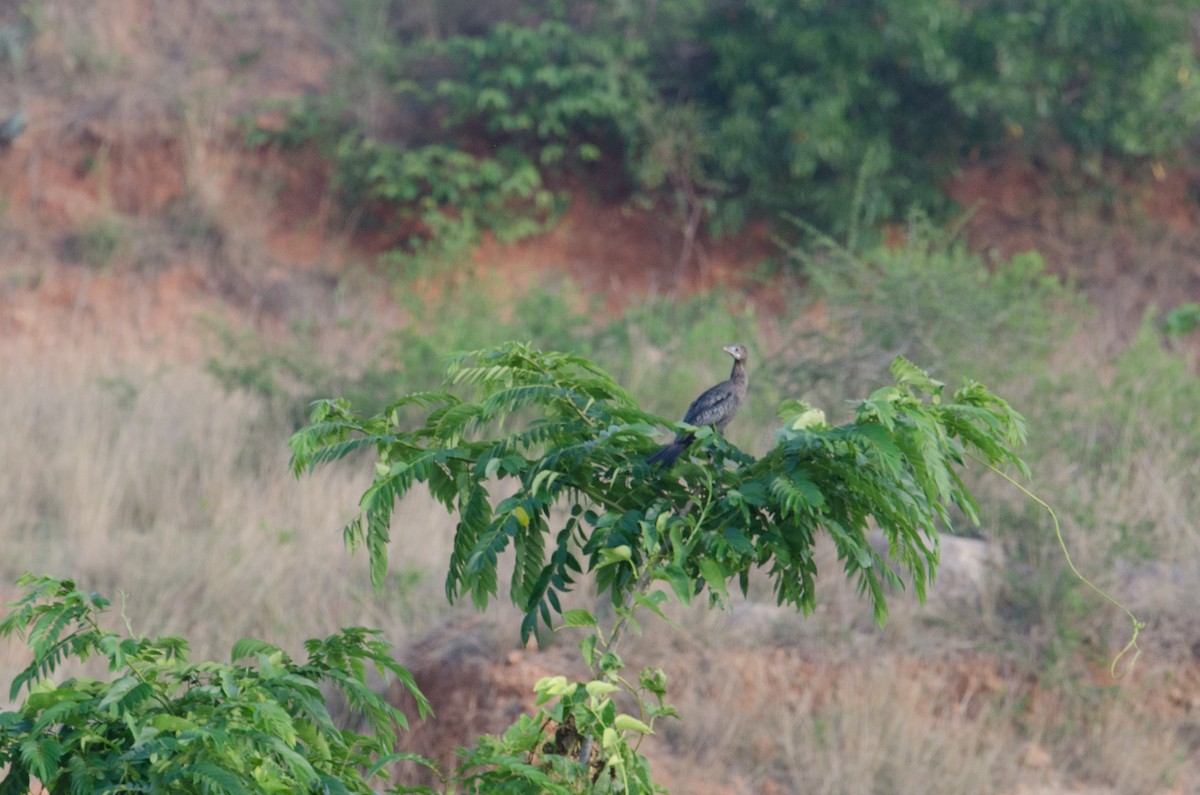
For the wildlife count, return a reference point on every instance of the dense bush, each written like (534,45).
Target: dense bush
(740,110)
(803,95)
(555,92)
(164,724)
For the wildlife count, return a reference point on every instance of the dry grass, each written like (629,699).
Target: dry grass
(158,484)
(163,487)
(883,733)
(830,717)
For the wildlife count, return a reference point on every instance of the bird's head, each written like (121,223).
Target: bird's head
(737,351)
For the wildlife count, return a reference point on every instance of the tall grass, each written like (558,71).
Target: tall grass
(830,722)
(664,352)
(163,486)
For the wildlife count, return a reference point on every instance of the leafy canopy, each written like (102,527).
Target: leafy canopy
(567,445)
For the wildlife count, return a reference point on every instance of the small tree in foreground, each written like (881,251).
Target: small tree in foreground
(163,724)
(567,445)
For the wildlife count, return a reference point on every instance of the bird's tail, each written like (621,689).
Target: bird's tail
(666,455)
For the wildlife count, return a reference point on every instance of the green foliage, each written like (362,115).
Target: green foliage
(545,99)
(440,194)
(162,724)
(579,742)
(734,111)
(560,94)
(708,523)
(1182,320)
(583,502)
(1108,77)
(435,197)
(303,121)
(807,99)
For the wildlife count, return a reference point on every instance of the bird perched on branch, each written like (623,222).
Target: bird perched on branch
(715,407)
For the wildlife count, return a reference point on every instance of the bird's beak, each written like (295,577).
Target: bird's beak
(730,350)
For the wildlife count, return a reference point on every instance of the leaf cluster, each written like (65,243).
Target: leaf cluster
(569,445)
(578,742)
(163,724)
(436,193)
(513,105)
(558,93)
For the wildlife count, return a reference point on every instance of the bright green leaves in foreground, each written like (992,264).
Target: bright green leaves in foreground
(895,468)
(565,446)
(579,741)
(162,724)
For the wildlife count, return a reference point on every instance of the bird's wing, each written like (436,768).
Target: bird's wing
(713,407)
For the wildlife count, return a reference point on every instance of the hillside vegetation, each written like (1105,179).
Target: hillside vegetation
(213,213)
(844,114)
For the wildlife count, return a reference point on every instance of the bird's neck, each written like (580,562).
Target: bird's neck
(738,374)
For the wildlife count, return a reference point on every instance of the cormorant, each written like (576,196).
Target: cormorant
(715,407)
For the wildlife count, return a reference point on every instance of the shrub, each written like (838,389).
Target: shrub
(560,94)
(1110,77)
(803,97)
(928,297)
(163,724)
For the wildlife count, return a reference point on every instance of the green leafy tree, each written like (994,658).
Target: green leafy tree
(567,445)
(162,724)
